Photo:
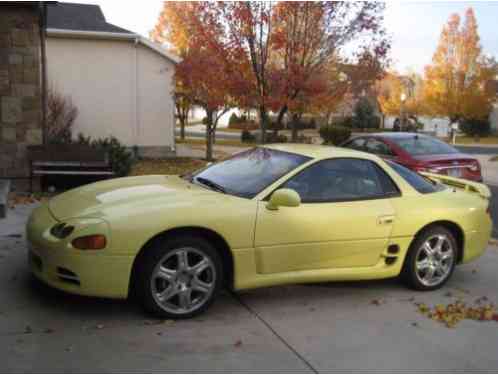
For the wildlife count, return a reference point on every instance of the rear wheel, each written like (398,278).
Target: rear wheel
(179,278)
(431,259)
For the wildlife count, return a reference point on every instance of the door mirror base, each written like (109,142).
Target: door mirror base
(283,198)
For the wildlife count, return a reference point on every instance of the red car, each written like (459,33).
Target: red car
(418,152)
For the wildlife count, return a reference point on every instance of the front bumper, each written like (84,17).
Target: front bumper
(90,273)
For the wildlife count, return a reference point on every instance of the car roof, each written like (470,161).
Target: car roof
(320,151)
(394,135)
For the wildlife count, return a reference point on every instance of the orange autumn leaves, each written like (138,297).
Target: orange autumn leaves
(456,83)
(270,56)
(451,314)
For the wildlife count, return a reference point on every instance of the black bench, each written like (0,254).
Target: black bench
(80,160)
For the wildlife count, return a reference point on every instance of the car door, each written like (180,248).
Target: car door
(344,220)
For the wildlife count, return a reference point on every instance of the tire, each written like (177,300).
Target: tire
(165,285)
(420,261)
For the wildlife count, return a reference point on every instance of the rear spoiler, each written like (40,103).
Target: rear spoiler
(460,183)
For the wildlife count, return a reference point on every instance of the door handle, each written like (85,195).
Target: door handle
(385,220)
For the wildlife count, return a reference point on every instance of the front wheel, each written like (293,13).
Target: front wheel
(179,278)
(431,259)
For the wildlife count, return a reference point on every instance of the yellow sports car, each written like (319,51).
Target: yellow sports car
(271,215)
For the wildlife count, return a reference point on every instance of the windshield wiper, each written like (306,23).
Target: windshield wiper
(213,185)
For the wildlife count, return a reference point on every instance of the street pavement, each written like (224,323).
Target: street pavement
(199,131)
(344,327)
(494,209)
(478,149)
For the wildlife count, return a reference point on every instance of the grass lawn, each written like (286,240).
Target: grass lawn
(190,123)
(229,130)
(166,166)
(482,140)
(221,142)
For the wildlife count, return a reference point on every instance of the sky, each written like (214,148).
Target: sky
(414,26)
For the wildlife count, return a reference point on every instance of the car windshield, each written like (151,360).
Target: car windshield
(423,145)
(418,182)
(249,172)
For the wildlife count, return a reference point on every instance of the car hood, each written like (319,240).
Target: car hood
(126,195)
(443,158)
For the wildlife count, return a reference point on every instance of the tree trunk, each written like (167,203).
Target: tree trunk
(280,118)
(294,125)
(209,136)
(182,128)
(263,122)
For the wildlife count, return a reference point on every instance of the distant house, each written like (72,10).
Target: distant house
(121,82)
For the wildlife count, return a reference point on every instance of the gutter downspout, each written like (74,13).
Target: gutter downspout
(137,99)
(43,53)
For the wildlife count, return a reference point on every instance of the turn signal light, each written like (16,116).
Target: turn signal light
(94,242)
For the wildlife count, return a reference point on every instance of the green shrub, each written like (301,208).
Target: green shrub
(247,137)
(204,120)
(475,127)
(276,138)
(120,158)
(364,115)
(233,119)
(334,135)
(345,122)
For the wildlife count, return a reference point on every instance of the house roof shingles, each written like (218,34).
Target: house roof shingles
(82,17)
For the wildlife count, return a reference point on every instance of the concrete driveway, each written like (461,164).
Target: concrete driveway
(367,326)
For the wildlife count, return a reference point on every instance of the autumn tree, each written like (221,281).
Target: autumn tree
(208,71)
(172,30)
(457,80)
(308,42)
(401,95)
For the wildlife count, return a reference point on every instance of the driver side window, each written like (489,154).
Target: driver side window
(337,180)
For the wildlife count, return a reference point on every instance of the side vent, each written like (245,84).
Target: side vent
(392,254)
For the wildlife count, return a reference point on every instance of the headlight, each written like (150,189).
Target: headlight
(61,230)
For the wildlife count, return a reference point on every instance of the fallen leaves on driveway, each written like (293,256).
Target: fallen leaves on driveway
(453,313)
(173,166)
(22,199)
(377,302)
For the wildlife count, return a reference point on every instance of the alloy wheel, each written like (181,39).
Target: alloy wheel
(434,260)
(183,280)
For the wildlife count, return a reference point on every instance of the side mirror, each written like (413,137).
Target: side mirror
(283,198)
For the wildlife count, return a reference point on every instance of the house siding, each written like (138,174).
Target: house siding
(20,88)
(120,88)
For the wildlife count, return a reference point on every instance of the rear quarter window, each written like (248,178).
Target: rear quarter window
(418,182)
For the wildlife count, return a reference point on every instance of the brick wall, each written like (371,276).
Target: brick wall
(20,87)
